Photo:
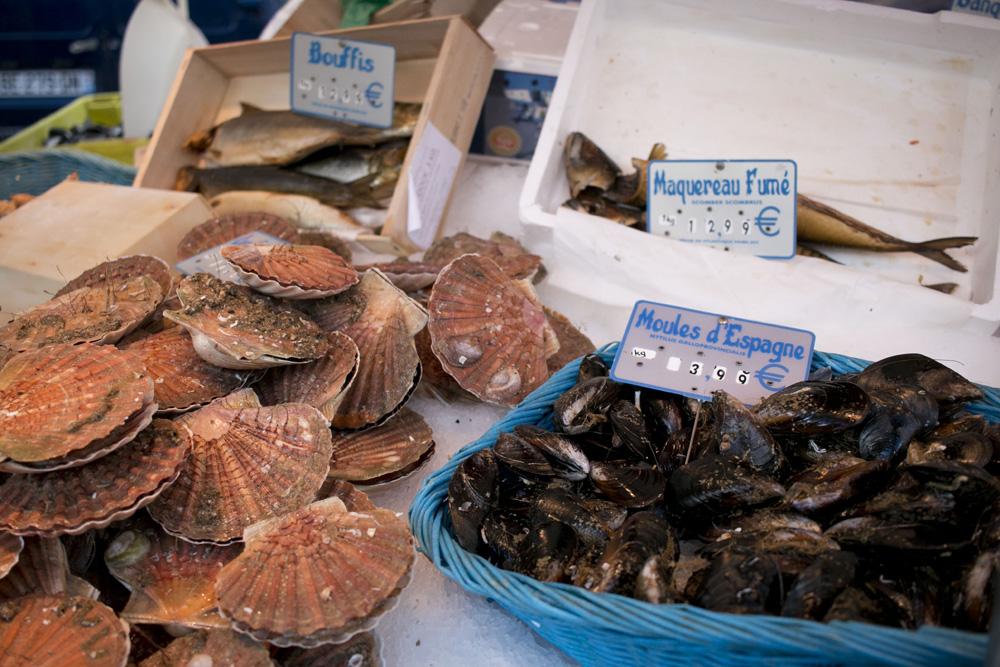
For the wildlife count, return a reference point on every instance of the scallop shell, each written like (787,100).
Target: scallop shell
(383,453)
(318,575)
(321,384)
(233,327)
(353,498)
(100,314)
(382,320)
(407,276)
(510,255)
(219,231)
(62,398)
(434,377)
(172,581)
(123,268)
(361,650)
(43,569)
(291,271)
(181,379)
(573,344)
(489,331)
(58,631)
(109,489)
(10,551)
(211,647)
(328,240)
(247,464)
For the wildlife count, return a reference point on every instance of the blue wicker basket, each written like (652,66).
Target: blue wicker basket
(603,629)
(34,172)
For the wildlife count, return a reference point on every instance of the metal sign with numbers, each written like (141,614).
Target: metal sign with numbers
(343,78)
(694,353)
(745,206)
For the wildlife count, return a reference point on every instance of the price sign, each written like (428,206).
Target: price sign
(743,206)
(694,353)
(211,261)
(343,78)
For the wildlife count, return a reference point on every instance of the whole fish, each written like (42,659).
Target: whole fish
(818,223)
(587,165)
(259,137)
(215,181)
(591,201)
(346,165)
(302,211)
(631,188)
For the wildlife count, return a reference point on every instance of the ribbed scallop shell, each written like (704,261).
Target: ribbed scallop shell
(361,650)
(172,581)
(434,378)
(353,498)
(328,240)
(43,569)
(234,327)
(62,398)
(510,255)
(10,551)
(247,464)
(383,453)
(321,383)
(291,271)
(206,648)
(101,314)
(123,268)
(407,276)
(58,631)
(219,231)
(110,489)
(488,331)
(182,380)
(318,575)
(383,321)
(573,344)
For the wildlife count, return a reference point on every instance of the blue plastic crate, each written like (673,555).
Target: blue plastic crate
(34,172)
(604,629)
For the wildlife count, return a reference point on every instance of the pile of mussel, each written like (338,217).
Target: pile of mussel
(868,497)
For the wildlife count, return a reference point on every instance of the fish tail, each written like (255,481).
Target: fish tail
(935,250)
(186,179)
(200,141)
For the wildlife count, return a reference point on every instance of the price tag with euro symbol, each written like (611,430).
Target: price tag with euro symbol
(745,206)
(694,353)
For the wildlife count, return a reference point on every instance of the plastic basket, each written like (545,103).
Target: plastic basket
(34,172)
(604,629)
(103,108)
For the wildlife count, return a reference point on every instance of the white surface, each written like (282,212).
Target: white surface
(891,116)
(529,36)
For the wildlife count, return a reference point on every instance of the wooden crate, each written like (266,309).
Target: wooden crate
(442,63)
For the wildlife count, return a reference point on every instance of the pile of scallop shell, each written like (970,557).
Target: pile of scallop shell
(238,416)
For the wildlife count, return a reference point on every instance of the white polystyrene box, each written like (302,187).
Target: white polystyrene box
(892,116)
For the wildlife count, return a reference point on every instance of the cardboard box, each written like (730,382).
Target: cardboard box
(77,225)
(441,63)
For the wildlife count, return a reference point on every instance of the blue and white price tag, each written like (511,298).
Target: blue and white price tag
(745,206)
(694,353)
(211,261)
(343,79)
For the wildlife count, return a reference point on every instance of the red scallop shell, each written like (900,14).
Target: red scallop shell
(219,231)
(318,575)
(321,383)
(573,343)
(488,331)
(510,255)
(361,650)
(43,569)
(62,398)
(110,489)
(248,463)
(59,631)
(435,378)
(354,499)
(172,581)
(407,276)
(123,268)
(383,321)
(328,240)
(182,380)
(291,271)
(10,551)
(382,453)
(211,647)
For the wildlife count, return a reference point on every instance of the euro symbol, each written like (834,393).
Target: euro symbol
(768,223)
(770,376)
(373,93)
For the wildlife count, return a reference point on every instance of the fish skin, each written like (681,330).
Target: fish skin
(806,251)
(590,201)
(259,137)
(214,181)
(347,165)
(818,223)
(631,188)
(587,165)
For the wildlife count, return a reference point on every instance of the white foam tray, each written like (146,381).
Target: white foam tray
(892,116)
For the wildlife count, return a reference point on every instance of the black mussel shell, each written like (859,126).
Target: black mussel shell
(949,388)
(887,434)
(739,433)
(556,504)
(813,407)
(737,582)
(584,406)
(662,411)
(654,583)
(916,401)
(473,492)
(966,446)
(566,457)
(819,584)
(503,531)
(522,457)
(592,366)
(630,484)
(867,604)
(974,601)
(642,536)
(960,423)
(895,540)
(608,511)
(628,423)
(835,483)
(757,521)
(547,551)
(821,374)
(718,484)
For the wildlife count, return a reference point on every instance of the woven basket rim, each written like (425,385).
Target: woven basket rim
(630,620)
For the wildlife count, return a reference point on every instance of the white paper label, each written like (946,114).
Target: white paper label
(432,173)
(745,206)
(343,78)
(211,261)
(694,353)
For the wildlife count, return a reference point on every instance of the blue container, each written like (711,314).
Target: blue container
(604,629)
(34,172)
